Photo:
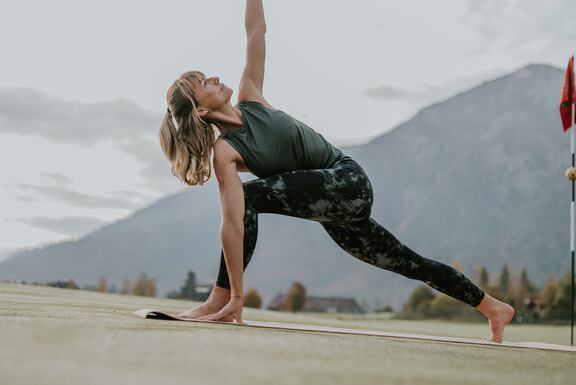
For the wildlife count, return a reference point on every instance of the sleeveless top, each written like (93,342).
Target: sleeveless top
(271,141)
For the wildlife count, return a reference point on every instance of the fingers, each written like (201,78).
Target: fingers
(237,319)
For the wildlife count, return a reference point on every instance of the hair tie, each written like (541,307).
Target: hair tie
(168,110)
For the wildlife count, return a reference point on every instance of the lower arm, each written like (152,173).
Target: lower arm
(254,15)
(232,237)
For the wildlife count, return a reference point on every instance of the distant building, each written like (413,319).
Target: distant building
(320,304)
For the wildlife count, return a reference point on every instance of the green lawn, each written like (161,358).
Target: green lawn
(62,336)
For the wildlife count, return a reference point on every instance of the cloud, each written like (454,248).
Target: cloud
(56,188)
(25,198)
(74,198)
(156,167)
(532,25)
(72,226)
(56,178)
(27,111)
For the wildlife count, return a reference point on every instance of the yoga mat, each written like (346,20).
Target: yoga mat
(154,314)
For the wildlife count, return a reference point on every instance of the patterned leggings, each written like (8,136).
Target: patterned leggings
(340,198)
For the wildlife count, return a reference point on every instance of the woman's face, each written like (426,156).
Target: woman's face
(211,94)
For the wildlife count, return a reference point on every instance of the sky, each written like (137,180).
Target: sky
(83,85)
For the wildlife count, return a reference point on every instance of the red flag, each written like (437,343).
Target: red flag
(568,96)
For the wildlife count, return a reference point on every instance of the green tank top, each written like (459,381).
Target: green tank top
(271,141)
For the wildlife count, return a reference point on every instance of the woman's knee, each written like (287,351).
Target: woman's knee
(365,203)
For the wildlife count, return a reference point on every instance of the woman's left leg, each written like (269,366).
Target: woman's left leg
(373,244)
(340,194)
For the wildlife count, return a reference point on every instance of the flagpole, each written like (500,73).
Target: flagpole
(567,110)
(572,239)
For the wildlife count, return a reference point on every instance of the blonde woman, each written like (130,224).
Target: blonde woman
(299,173)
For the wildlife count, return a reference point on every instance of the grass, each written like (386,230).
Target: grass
(61,336)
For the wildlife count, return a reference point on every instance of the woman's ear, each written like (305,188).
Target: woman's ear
(202,111)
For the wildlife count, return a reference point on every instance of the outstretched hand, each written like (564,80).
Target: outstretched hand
(232,312)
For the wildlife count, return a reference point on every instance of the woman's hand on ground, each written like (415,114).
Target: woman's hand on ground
(232,312)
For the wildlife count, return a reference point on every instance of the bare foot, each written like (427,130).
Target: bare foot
(218,298)
(499,315)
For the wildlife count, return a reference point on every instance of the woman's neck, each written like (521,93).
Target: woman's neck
(227,119)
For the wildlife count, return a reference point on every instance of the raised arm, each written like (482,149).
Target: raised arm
(253,75)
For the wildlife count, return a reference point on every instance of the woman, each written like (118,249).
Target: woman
(300,175)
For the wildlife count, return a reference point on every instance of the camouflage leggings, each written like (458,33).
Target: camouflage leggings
(340,199)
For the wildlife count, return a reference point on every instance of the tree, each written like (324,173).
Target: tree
(520,295)
(444,306)
(188,290)
(252,299)
(504,280)
(71,285)
(549,291)
(562,301)
(483,279)
(456,264)
(296,297)
(144,286)
(126,287)
(103,285)
(419,300)
(495,292)
(526,283)
(385,309)
(548,297)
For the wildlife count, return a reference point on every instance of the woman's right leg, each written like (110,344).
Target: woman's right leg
(370,242)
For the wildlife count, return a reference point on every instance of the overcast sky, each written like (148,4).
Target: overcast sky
(78,144)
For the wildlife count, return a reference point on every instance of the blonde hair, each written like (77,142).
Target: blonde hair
(186,138)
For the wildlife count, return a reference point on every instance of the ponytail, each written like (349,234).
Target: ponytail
(187,139)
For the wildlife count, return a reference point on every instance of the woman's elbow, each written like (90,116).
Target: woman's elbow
(231,225)
(259,27)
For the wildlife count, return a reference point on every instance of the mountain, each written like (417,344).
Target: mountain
(480,176)
(7,252)
(477,178)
